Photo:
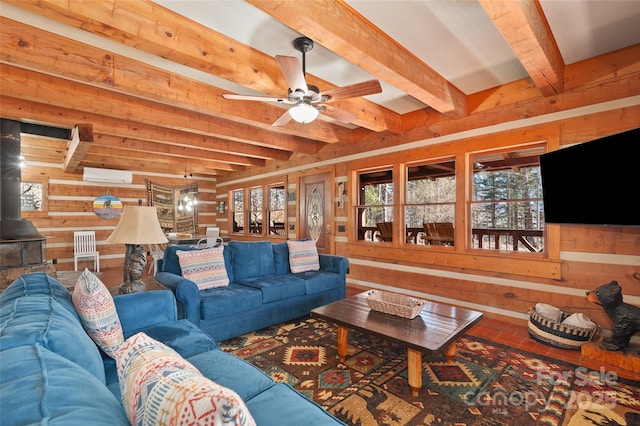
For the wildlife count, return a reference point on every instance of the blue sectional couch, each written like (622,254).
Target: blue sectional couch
(262,291)
(52,373)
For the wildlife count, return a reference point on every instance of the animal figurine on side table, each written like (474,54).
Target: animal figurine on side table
(625,317)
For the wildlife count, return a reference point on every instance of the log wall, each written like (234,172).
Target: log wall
(579,258)
(70,208)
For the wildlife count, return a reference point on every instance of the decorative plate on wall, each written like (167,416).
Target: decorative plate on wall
(107,206)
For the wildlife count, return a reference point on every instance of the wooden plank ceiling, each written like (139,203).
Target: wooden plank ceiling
(146,117)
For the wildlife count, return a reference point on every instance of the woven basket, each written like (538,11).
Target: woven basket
(395,304)
(553,333)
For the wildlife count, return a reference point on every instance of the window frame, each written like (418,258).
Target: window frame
(413,233)
(470,202)
(250,229)
(362,230)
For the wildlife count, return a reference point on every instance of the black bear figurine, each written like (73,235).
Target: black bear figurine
(625,317)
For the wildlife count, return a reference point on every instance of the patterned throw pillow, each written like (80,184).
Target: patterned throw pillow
(204,267)
(97,312)
(159,387)
(303,256)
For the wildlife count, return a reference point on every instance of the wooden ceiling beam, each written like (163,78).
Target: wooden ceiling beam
(152,28)
(147,165)
(79,145)
(172,150)
(50,150)
(341,29)
(33,48)
(18,109)
(38,87)
(525,28)
(172,164)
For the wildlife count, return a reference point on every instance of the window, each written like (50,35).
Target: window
(277,210)
(238,211)
(429,211)
(255,210)
(506,206)
(250,207)
(375,205)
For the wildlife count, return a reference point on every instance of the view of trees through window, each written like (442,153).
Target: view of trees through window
(430,200)
(277,210)
(375,202)
(255,209)
(238,210)
(506,209)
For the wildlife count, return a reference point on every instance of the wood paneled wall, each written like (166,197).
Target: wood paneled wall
(582,257)
(70,208)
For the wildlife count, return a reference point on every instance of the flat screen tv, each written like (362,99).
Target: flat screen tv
(593,183)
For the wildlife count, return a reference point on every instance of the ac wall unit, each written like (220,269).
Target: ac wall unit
(106,175)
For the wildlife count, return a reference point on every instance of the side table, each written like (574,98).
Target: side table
(149,283)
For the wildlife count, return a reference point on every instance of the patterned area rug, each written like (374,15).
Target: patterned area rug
(486,383)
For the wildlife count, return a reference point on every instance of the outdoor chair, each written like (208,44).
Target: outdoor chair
(385,231)
(438,233)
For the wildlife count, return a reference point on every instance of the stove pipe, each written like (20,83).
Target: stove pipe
(12,227)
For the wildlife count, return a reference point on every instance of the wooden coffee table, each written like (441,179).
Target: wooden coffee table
(434,329)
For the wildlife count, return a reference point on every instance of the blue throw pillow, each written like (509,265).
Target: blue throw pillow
(281,258)
(251,259)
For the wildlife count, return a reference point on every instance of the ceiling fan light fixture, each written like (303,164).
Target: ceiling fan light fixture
(304,113)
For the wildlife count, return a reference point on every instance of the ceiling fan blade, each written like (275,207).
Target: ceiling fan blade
(254,98)
(292,71)
(283,119)
(359,89)
(338,114)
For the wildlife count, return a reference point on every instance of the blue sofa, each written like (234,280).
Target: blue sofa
(262,291)
(52,373)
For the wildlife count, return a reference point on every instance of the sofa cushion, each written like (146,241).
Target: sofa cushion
(293,408)
(42,319)
(232,372)
(251,259)
(276,287)
(319,281)
(205,267)
(303,256)
(281,258)
(161,387)
(234,298)
(37,284)
(97,312)
(38,386)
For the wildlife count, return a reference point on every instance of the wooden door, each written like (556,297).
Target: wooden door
(315,210)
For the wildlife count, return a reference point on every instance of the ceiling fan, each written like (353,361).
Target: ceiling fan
(307,99)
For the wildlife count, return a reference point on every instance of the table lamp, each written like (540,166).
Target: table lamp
(138,225)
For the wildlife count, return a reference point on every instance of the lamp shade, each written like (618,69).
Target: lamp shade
(138,225)
(303,113)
